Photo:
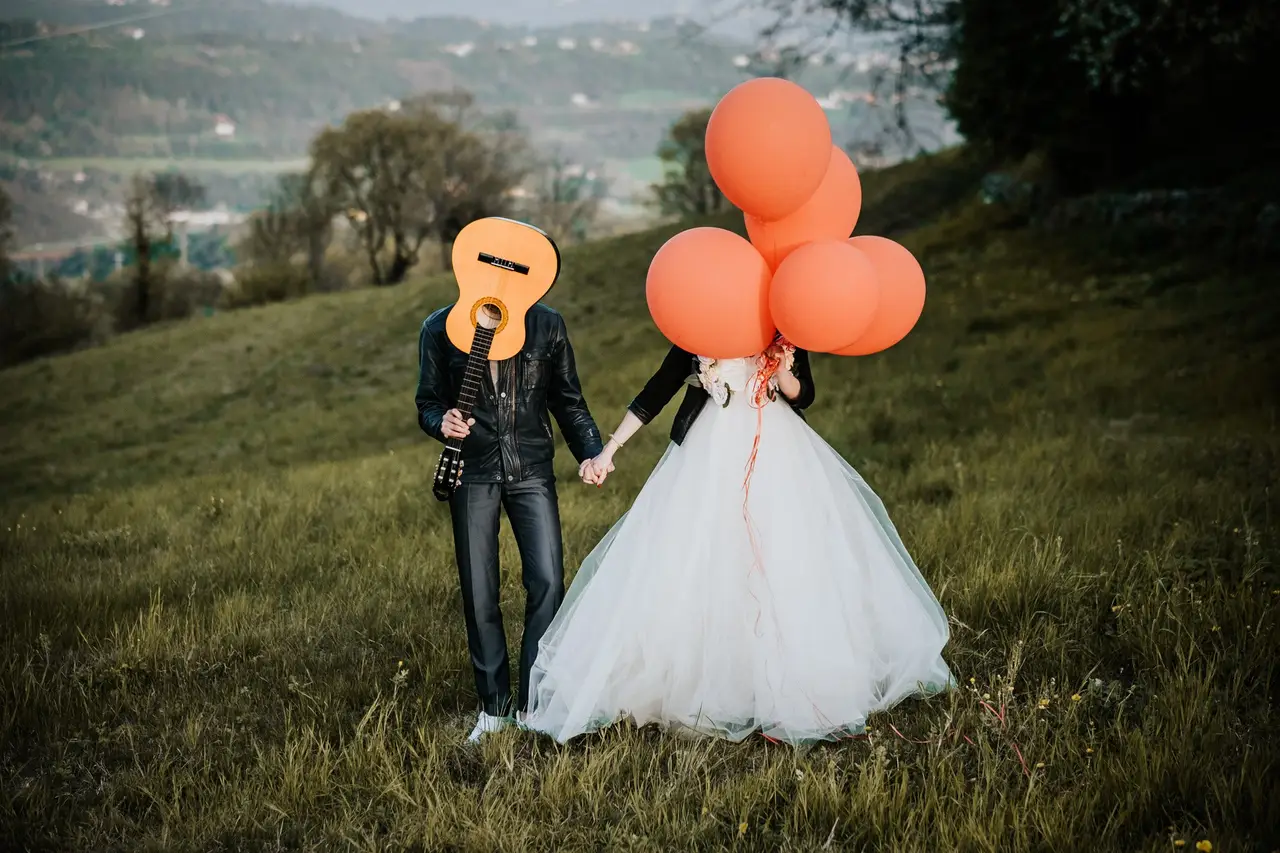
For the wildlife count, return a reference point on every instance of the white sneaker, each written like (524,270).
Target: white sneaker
(487,724)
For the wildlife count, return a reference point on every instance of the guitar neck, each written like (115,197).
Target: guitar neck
(473,376)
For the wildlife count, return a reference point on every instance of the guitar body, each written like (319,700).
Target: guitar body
(503,268)
(503,263)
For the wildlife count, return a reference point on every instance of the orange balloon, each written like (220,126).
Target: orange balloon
(829,214)
(708,292)
(768,146)
(901,295)
(824,295)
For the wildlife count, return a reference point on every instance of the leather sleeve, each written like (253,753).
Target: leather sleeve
(567,403)
(434,392)
(663,385)
(803,372)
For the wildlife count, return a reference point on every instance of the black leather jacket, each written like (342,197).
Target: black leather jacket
(679,366)
(511,439)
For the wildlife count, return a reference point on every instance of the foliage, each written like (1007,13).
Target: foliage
(40,318)
(403,177)
(687,188)
(232,612)
(1112,91)
(58,315)
(269,281)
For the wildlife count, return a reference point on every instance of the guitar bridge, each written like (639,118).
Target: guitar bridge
(503,263)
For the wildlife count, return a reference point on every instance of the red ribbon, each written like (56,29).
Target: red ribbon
(771,360)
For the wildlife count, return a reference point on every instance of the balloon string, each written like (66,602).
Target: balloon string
(770,361)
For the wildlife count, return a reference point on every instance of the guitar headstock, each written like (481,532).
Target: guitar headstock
(448,475)
(502,264)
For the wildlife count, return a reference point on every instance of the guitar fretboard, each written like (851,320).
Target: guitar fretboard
(477,361)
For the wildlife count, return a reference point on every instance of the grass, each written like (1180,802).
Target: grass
(233,621)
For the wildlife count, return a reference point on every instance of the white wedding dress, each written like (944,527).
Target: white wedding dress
(795,619)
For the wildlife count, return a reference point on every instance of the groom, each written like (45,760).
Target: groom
(506,464)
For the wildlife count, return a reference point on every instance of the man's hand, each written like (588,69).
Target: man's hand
(594,471)
(453,426)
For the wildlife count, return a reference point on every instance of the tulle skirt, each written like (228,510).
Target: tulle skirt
(791,608)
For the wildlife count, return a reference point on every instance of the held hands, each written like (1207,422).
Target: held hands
(594,471)
(453,426)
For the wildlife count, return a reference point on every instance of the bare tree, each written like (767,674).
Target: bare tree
(297,220)
(565,198)
(918,36)
(149,208)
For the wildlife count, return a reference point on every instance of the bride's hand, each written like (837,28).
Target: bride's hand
(595,471)
(589,473)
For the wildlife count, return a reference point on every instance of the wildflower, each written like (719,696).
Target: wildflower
(742,829)
(1117,608)
(973,681)
(986,696)
(1075,697)
(1088,750)
(1205,846)
(1044,703)
(1039,765)
(1180,843)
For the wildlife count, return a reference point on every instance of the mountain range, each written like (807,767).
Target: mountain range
(231,91)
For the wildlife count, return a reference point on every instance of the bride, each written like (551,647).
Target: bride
(755,585)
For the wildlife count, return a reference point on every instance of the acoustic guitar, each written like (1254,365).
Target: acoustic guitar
(503,267)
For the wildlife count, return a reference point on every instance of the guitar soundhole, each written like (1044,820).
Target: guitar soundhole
(489,314)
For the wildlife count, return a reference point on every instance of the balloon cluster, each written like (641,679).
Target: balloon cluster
(713,293)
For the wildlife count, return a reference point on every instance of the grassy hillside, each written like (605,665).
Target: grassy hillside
(233,618)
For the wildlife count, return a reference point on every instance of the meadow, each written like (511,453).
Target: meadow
(232,619)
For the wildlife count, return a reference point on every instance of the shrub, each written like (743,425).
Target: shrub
(259,284)
(39,318)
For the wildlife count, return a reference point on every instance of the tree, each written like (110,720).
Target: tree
(297,220)
(687,188)
(404,177)
(149,209)
(1111,91)
(918,35)
(565,199)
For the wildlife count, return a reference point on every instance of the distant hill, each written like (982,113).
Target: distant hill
(228,88)
(732,17)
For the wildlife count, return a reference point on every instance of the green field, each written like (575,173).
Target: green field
(233,621)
